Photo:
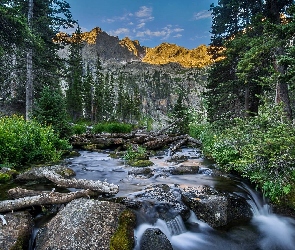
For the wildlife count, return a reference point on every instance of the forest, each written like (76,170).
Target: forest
(249,97)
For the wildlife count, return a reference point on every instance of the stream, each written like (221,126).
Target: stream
(265,231)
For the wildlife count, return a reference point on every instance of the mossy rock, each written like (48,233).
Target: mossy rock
(66,172)
(7,174)
(123,238)
(140,163)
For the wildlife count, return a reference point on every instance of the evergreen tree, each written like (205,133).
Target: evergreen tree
(74,92)
(249,46)
(88,94)
(50,110)
(98,91)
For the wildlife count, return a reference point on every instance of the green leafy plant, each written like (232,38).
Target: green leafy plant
(23,142)
(260,148)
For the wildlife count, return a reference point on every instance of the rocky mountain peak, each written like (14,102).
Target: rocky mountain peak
(113,50)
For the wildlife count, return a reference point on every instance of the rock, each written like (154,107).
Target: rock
(214,208)
(147,172)
(36,173)
(161,202)
(17,232)
(182,169)
(82,224)
(154,238)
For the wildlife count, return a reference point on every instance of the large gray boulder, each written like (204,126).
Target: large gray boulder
(82,224)
(215,208)
(15,230)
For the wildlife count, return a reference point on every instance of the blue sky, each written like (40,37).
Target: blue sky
(184,22)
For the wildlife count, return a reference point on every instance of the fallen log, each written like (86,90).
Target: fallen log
(50,174)
(45,198)
(160,142)
(98,186)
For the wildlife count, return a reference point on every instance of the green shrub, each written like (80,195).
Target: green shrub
(139,153)
(24,142)
(260,148)
(79,129)
(112,127)
(4,177)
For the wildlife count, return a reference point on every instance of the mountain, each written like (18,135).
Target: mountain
(113,50)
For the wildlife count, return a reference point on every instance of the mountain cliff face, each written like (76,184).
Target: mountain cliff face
(155,76)
(113,50)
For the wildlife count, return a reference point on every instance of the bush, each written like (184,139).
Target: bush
(24,142)
(112,127)
(260,148)
(79,129)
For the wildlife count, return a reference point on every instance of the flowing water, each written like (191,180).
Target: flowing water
(265,231)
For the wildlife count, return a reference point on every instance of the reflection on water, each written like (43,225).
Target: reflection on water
(266,231)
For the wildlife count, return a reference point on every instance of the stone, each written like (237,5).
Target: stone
(214,208)
(182,169)
(82,224)
(154,238)
(16,232)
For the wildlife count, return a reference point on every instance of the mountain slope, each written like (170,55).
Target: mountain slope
(113,50)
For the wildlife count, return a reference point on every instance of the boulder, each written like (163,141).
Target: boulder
(82,224)
(185,169)
(154,238)
(15,230)
(215,208)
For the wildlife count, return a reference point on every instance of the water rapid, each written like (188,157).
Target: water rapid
(264,231)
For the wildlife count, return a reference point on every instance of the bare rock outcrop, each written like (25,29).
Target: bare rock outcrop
(15,230)
(82,224)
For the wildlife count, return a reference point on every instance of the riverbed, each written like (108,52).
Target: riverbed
(265,231)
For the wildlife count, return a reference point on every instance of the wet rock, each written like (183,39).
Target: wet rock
(214,208)
(183,169)
(154,238)
(17,232)
(36,173)
(146,172)
(178,158)
(82,224)
(161,202)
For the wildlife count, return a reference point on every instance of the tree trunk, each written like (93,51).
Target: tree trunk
(29,83)
(282,91)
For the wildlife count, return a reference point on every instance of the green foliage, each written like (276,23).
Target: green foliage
(140,163)
(50,110)
(112,127)
(79,129)
(260,148)
(4,177)
(24,142)
(137,153)
(180,116)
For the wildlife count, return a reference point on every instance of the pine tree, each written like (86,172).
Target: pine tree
(74,92)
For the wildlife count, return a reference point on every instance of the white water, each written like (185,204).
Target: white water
(266,231)
(277,232)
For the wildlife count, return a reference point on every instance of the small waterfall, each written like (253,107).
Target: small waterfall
(176,226)
(277,232)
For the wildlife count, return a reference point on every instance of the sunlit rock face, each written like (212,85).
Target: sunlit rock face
(154,75)
(111,49)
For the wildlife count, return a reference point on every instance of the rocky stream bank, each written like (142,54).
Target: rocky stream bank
(152,207)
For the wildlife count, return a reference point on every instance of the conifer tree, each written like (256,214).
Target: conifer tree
(74,93)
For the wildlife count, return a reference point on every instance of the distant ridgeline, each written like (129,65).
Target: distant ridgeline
(137,81)
(112,49)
